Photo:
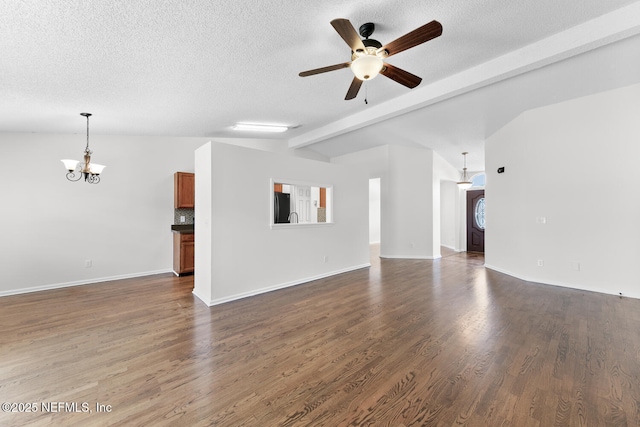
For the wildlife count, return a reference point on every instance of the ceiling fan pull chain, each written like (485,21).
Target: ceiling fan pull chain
(366,93)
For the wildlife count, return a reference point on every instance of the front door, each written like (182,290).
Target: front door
(475,221)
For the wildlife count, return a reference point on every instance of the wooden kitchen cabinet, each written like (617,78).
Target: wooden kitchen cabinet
(184,194)
(183,253)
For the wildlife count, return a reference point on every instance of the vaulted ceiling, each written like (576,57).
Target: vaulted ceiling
(195,68)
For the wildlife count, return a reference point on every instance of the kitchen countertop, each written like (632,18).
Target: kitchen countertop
(182,228)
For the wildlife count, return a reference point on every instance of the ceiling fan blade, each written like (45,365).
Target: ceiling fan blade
(401,76)
(324,69)
(353,89)
(418,36)
(348,33)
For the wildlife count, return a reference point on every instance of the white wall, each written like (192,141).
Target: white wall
(408,228)
(374,210)
(376,162)
(51,226)
(203,209)
(574,164)
(449,215)
(274,146)
(410,197)
(248,256)
(448,208)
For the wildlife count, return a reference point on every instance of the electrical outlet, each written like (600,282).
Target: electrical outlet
(182,218)
(540,263)
(88,263)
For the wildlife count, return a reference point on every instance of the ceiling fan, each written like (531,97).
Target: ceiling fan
(368,55)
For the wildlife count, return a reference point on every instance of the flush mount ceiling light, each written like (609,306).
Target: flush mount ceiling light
(257,127)
(464,183)
(90,171)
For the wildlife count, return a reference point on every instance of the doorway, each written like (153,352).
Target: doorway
(374,210)
(475,220)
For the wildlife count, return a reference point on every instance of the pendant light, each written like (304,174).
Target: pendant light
(90,171)
(464,183)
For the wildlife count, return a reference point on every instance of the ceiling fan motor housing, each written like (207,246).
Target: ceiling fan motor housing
(367,29)
(372,43)
(371,47)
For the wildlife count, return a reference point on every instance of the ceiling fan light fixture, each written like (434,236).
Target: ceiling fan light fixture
(257,127)
(367,55)
(366,67)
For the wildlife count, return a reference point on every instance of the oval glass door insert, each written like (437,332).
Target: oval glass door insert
(479,214)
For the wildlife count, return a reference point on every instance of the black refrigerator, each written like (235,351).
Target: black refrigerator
(281,207)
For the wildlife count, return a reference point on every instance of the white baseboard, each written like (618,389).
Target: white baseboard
(80,282)
(279,286)
(503,271)
(410,257)
(560,284)
(200,297)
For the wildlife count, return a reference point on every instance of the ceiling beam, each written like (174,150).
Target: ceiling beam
(606,29)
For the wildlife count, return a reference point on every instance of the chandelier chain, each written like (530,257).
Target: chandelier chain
(87,150)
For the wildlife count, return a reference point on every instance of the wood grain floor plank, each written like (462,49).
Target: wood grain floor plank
(403,343)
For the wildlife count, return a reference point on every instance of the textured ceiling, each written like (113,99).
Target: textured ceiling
(196,67)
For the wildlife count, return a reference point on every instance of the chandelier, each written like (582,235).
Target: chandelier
(464,183)
(90,171)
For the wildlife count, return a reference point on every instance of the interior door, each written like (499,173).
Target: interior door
(303,203)
(475,221)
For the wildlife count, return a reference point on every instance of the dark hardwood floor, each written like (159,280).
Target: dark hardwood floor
(404,343)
